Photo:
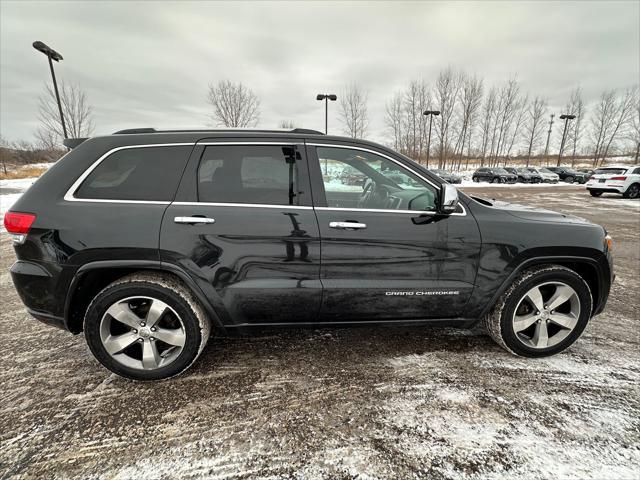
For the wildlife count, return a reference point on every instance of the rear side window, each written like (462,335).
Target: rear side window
(146,173)
(252,174)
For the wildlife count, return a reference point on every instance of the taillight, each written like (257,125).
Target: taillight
(18,225)
(618,178)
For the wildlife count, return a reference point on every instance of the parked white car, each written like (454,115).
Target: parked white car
(547,175)
(623,179)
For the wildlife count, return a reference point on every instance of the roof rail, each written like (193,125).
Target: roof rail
(135,130)
(130,131)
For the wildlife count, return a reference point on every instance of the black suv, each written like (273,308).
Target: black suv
(569,175)
(493,175)
(150,242)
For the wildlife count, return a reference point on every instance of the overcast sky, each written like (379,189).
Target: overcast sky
(149,63)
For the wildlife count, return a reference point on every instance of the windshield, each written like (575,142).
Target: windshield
(610,171)
(500,170)
(524,170)
(546,170)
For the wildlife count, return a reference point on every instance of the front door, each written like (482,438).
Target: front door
(385,254)
(243,226)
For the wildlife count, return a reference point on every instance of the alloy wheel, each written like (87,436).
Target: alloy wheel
(546,315)
(142,333)
(634,191)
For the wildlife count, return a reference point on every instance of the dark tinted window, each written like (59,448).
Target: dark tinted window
(259,174)
(149,173)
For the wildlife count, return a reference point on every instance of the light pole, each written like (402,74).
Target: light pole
(53,55)
(566,119)
(430,113)
(546,148)
(326,97)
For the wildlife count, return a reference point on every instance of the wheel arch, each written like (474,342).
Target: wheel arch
(92,277)
(589,269)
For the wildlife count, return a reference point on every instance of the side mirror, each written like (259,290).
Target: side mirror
(448,199)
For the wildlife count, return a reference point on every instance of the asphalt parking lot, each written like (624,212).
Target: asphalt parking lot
(367,403)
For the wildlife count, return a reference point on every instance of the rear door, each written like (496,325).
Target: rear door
(243,226)
(385,255)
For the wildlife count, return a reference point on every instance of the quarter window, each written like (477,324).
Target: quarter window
(143,173)
(253,174)
(359,179)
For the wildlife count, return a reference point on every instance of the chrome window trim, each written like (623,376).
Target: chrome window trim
(382,210)
(70,195)
(401,165)
(252,205)
(250,143)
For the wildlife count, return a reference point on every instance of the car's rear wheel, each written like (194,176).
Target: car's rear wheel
(595,193)
(475,179)
(496,180)
(146,327)
(544,311)
(633,191)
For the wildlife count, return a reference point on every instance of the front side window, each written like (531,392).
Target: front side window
(142,173)
(252,174)
(358,179)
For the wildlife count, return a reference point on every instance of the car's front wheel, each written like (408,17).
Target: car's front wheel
(544,311)
(595,193)
(146,326)
(569,179)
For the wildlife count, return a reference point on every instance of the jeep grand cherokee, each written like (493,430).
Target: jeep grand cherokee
(151,242)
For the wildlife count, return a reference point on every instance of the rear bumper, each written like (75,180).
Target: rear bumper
(603,187)
(42,289)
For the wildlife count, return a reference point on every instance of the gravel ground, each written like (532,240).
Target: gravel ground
(367,403)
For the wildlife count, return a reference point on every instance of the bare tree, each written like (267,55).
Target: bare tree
(576,107)
(633,134)
(234,105)
(353,111)
(519,117)
(470,102)
(78,115)
(534,124)
(5,154)
(486,125)
(446,96)
(405,120)
(612,115)
(394,120)
(506,111)
(286,124)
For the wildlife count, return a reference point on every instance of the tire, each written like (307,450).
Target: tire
(182,324)
(595,193)
(501,320)
(633,191)
(569,179)
(495,180)
(475,179)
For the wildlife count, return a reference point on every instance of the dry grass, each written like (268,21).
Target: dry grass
(26,172)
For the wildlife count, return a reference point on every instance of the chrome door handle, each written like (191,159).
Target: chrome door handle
(347,225)
(192,220)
